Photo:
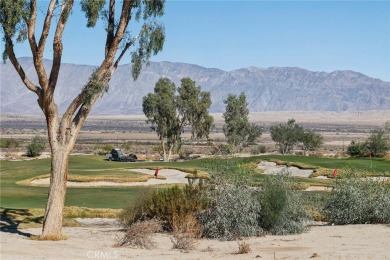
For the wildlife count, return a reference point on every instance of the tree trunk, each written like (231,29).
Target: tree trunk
(170,152)
(52,223)
(164,150)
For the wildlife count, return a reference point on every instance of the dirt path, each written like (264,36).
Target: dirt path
(322,242)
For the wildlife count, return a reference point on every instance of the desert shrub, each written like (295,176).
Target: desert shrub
(36,147)
(183,241)
(357,200)
(233,213)
(223,149)
(188,224)
(126,146)
(258,149)
(282,210)
(358,149)
(174,205)
(139,234)
(9,143)
(136,211)
(103,149)
(243,248)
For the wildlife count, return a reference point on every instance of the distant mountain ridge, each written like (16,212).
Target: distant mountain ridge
(271,89)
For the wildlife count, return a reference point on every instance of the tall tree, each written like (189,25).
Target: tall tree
(18,23)
(237,129)
(311,141)
(160,110)
(193,106)
(378,143)
(169,113)
(286,135)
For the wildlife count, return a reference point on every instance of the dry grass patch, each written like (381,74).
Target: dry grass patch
(183,241)
(243,248)
(49,237)
(82,212)
(198,174)
(139,234)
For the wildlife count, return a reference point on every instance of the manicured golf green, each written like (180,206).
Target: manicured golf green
(22,197)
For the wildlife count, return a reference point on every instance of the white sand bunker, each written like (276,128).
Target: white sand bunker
(273,168)
(172,177)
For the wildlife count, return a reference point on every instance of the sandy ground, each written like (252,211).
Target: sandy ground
(172,177)
(321,242)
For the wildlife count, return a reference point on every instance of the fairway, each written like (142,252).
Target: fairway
(23,197)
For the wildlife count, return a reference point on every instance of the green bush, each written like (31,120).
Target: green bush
(172,206)
(136,211)
(9,143)
(358,200)
(233,213)
(282,210)
(358,149)
(36,147)
(258,149)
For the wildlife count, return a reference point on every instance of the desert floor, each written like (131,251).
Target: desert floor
(98,242)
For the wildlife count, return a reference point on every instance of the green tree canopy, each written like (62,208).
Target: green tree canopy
(378,143)
(237,129)
(311,140)
(287,135)
(169,113)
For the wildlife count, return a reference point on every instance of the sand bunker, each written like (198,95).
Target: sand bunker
(273,168)
(172,177)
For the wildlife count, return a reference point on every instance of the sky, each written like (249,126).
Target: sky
(315,35)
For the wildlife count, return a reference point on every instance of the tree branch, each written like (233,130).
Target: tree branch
(46,25)
(19,69)
(127,46)
(57,45)
(110,26)
(38,57)
(31,21)
(120,31)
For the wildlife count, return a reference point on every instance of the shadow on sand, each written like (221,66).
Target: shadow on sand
(10,223)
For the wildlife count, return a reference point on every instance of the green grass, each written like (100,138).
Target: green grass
(27,197)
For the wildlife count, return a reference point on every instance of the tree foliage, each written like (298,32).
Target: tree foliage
(378,143)
(169,113)
(311,141)
(193,105)
(358,149)
(237,129)
(36,147)
(287,135)
(291,134)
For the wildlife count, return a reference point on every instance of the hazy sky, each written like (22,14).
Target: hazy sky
(315,35)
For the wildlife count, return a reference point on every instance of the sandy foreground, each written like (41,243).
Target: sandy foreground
(320,242)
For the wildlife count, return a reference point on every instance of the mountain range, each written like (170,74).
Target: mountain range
(271,89)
